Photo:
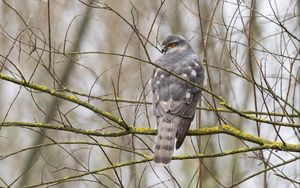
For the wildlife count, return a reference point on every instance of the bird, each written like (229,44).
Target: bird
(174,99)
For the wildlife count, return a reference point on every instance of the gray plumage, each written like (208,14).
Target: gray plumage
(174,100)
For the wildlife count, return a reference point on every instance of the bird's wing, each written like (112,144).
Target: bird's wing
(173,95)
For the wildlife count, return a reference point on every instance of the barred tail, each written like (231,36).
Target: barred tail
(165,139)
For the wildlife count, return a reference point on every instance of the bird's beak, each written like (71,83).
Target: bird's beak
(164,49)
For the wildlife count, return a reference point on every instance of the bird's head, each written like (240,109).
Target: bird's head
(174,43)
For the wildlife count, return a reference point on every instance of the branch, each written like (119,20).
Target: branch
(98,171)
(120,100)
(222,129)
(70,98)
(254,118)
(119,121)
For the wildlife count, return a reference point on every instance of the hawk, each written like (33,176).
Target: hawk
(174,100)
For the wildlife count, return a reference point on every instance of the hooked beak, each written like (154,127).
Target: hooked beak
(164,49)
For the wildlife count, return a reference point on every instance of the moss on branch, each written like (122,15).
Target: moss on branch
(62,95)
(222,129)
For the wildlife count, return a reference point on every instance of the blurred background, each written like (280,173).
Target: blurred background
(100,52)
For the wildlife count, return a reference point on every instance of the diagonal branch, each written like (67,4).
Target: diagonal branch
(62,95)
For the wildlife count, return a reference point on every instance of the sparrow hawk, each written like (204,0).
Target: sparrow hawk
(174,100)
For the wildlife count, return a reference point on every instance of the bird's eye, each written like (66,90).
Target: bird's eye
(171,45)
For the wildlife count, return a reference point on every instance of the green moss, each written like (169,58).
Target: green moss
(88,131)
(38,124)
(277,145)
(141,129)
(107,114)
(227,127)
(43,88)
(73,98)
(184,156)
(222,103)
(147,157)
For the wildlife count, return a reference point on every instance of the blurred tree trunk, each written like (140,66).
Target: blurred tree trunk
(65,73)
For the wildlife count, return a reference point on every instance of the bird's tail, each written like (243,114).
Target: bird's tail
(165,139)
